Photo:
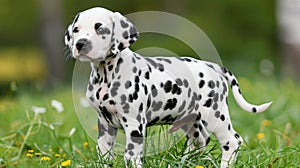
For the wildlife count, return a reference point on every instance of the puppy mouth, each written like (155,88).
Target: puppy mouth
(83,57)
(86,58)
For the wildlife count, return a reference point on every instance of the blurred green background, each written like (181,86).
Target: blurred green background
(245,34)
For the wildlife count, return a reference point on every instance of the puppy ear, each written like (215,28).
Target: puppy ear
(124,33)
(68,37)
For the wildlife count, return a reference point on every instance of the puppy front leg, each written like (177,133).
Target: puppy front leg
(106,139)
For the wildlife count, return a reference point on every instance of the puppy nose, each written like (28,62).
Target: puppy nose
(81,43)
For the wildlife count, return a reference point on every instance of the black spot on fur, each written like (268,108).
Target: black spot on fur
(130,146)
(156,105)
(125,35)
(147,75)
(234,83)
(226,148)
(154,91)
(201,75)
(127,84)
(222,117)
(105,97)
(201,83)
(91,87)
(211,84)
(217,114)
(196,134)
(211,93)
(237,136)
(121,46)
(106,114)
(156,119)
(208,103)
(153,63)
(179,82)
(141,107)
(168,86)
(204,123)
(185,83)
(124,24)
(171,104)
(136,137)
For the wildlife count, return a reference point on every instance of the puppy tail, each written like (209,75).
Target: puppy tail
(232,81)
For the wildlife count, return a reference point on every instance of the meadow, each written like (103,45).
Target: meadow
(36,133)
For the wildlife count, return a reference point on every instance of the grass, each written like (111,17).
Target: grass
(271,139)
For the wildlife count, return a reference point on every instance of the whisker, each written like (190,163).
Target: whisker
(67,53)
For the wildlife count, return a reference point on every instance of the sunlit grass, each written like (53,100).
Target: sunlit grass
(50,135)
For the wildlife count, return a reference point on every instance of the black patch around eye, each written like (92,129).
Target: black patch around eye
(75,30)
(97,25)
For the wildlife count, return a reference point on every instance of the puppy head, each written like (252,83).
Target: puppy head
(97,33)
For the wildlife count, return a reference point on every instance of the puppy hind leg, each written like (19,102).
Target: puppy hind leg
(135,133)
(230,143)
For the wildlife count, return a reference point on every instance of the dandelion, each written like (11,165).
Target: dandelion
(45,158)
(58,106)
(30,151)
(38,110)
(199,167)
(266,122)
(66,163)
(85,144)
(57,155)
(29,155)
(260,135)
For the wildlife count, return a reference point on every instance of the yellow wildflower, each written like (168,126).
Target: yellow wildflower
(85,144)
(29,155)
(260,135)
(266,122)
(38,154)
(30,151)
(199,167)
(57,155)
(66,163)
(45,158)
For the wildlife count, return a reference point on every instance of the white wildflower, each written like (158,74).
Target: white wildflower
(57,105)
(72,131)
(51,126)
(38,110)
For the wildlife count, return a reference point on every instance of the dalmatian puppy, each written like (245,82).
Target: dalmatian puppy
(132,92)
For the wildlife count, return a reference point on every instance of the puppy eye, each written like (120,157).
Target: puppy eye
(75,30)
(97,25)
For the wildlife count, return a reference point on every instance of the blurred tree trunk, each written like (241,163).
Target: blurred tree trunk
(51,30)
(289,28)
